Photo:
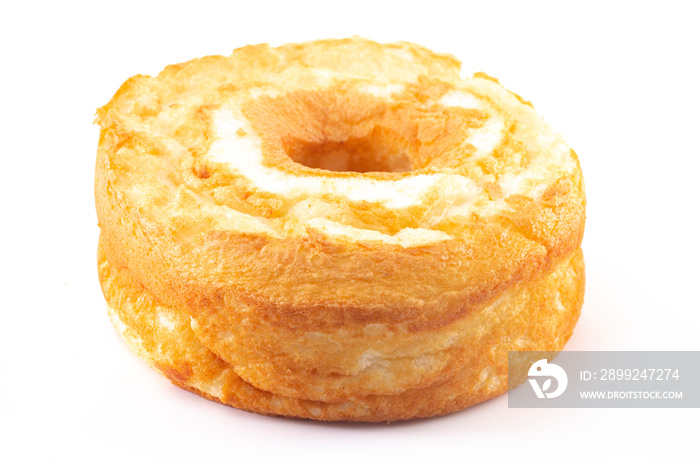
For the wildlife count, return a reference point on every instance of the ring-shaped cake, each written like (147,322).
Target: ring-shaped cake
(336,230)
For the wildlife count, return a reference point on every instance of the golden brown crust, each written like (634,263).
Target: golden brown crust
(347,324)
(541,314)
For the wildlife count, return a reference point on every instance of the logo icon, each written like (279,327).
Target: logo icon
(551,371)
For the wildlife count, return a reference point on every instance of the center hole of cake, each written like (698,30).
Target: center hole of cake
(359,154)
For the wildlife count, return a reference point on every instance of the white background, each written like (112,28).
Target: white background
(619,80)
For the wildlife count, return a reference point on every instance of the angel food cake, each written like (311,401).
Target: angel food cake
(336,230)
